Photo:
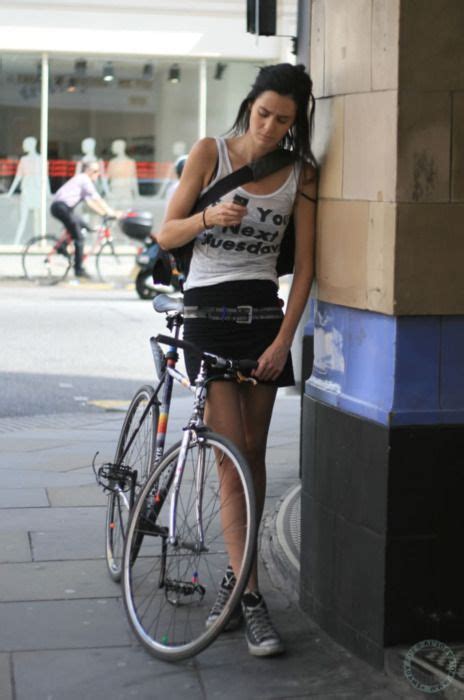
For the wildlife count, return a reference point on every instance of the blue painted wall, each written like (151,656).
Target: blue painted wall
(406,370)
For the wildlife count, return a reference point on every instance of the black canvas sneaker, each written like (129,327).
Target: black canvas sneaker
(262,638)
(225,589)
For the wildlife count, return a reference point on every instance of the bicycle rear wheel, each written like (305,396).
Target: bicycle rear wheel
(112,266)
(140,457)
(42,264)
(169,589)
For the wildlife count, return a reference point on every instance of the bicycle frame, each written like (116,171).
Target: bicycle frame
(103,232)
(166,377)
(194,426)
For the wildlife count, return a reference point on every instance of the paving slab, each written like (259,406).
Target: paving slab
(23,498)
(118,674)
(304,671)
(63,580)
(14,547)
(31,478)
(32,442)
(62,459)
(82,543)
(91,495)
(6,688)
(63,519)
(63,624)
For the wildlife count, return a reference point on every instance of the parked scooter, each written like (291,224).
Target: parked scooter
(155,274)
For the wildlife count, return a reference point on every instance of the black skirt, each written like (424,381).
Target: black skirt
(230,339)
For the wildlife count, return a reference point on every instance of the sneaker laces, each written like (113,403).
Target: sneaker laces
(229,579)
(259,622)
(221,599)
(225,589)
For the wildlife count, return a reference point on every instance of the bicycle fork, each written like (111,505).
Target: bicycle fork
(199,475)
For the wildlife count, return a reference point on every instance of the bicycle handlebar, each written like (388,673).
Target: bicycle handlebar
(178,343)
(245,365)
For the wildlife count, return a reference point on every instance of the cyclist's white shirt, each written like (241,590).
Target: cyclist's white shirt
(75,190)
(250,250)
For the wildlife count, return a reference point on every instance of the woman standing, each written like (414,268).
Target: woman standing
(234,266)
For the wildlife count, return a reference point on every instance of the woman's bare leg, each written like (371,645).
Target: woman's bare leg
(242,413)
(257,404)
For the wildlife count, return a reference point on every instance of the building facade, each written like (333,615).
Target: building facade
(133,87)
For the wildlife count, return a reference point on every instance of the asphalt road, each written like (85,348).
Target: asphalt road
(64,348)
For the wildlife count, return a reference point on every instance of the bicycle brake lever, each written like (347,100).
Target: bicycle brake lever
(242,378)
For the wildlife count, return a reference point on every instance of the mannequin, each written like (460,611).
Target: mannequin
(88,146)
(122,176)
(29,175)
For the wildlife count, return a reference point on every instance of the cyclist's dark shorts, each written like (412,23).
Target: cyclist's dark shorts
(228,338)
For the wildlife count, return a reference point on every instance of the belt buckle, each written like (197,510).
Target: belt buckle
(246,310)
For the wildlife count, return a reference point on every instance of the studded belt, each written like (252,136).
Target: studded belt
(239,314)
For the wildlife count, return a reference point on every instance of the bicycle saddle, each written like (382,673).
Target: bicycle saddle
(163,303)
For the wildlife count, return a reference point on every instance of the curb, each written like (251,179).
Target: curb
(278,549)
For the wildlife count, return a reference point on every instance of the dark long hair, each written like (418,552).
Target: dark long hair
(289,81)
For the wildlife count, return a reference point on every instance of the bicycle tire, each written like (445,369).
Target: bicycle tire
(168,590)
(140,457)
(112,267)
(42,264)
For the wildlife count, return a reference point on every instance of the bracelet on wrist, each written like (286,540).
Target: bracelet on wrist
(204,219)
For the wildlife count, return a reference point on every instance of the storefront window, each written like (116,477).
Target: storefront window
(135,116)
(228,84)
(20,83)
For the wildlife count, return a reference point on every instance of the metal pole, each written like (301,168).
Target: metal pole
(303,32)
(44,145)
(202,102)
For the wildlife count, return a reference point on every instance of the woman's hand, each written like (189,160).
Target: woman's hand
(271,362)
(224,214)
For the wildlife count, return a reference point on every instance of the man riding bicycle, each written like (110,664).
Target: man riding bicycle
(79,188)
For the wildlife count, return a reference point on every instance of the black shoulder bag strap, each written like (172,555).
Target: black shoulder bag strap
(253,171)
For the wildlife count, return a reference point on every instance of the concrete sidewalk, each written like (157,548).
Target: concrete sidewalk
(63,632)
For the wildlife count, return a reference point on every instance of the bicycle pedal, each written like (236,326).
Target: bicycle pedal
(114,477)
(181,592)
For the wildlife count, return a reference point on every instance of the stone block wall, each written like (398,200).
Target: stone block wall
(355,71)
(389,84)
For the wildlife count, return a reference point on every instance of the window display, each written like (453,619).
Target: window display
(126,113)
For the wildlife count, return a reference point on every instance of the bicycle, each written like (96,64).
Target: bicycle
(46,260)
(173,517)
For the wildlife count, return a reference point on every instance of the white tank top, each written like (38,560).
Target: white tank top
(250,250)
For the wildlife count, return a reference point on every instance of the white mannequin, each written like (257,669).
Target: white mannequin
(28,174)
(167,188)
(88,146)
(122,176)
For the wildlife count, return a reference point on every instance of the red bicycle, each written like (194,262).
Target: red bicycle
(47,259)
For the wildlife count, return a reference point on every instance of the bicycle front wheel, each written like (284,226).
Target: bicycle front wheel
(112,266)
(42,263)
(170,588)
(136,450)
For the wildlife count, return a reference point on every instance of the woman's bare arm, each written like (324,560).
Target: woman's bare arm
(178,226)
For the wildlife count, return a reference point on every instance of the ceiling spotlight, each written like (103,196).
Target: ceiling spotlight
(71,85)
(108,72)
(80,68)
(174,73)
(148,71)
(219,71)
